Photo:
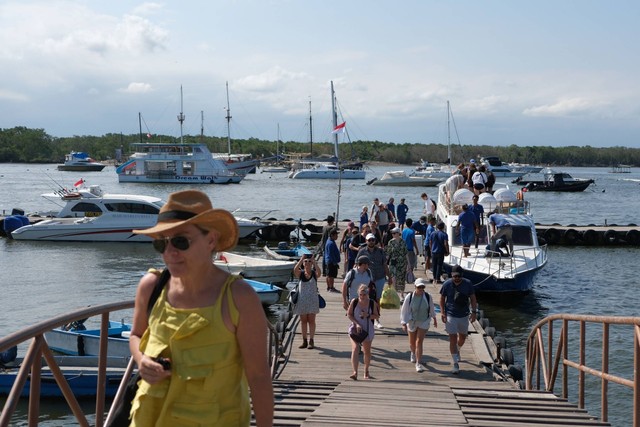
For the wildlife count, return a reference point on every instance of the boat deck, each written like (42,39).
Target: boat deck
(314,388)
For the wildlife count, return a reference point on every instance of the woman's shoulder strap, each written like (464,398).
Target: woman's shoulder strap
(157,290)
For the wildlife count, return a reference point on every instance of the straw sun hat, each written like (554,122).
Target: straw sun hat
(194,207)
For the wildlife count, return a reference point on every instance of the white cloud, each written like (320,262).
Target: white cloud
(9,95)
(269,81)
(135,87)
(563,107)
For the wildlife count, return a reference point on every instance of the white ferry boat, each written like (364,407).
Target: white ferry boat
(176,164)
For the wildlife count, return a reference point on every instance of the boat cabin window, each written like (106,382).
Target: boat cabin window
(522,236)
(136,208)
(86,207)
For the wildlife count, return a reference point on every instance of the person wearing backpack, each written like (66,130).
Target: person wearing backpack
(362,312)
(377,264)
(358,275)
(455,296)
(417,311)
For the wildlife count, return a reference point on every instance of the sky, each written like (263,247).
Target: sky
(545,73)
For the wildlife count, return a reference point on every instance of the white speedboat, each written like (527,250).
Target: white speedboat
(79,161)
(499,168)
(491,271)
(325,170)
(261,269)
(177,164)
(92,216)
(401,179)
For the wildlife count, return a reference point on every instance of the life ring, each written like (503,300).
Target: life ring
(632,237)
(571,236)
(552,236)
(610,237)
(590,237)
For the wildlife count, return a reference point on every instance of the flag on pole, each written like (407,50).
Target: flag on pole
(79,183)
(341,128)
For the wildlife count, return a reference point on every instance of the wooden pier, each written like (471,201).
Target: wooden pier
(314,388)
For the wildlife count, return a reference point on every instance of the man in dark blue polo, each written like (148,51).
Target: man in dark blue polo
(501,228)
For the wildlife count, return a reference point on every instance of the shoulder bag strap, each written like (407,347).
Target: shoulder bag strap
(162,281)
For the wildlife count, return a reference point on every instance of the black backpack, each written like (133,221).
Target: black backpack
(372,285)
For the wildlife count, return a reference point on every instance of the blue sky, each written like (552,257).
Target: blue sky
(553,73)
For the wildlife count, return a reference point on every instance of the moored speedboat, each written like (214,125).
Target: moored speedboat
(261,269)
(92,216)
(326,170)
(284,252)
(550,180)
(401,179)
(492,271)
(80,162)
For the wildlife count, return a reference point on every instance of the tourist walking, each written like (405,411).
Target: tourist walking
(431,227)
(417,311)
(478,211)
(362,312)
(206,305)
(344,244)
(396,252)
(429,206)
(332,259)
(401,213)
(326,229)
(409,237)
(351,253)
(364,216)
(439,249)
(391,209)
(456,294)
(358,275)
(377,265)
(467,227)
(307,305)
(383,218)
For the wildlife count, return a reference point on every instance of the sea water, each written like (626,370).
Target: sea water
(40,280)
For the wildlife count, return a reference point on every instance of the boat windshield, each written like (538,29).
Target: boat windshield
(136,208)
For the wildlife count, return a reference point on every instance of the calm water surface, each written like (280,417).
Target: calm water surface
(43,279)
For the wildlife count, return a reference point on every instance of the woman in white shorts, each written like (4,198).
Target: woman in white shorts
(417,311)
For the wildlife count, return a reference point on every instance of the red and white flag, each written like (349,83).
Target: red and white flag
(341,128)
(79,183)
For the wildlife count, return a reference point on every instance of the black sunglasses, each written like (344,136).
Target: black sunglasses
(179,242)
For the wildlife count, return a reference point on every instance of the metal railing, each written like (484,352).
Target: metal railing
(31,366)
(542,365)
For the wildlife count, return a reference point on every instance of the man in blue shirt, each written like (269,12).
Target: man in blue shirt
(439,249)
(501,228)
(478,211)
(332,259)
(467,226)
(391,207)
(409,237)
(401,213)
(455,296)
(431,220)
(420,227)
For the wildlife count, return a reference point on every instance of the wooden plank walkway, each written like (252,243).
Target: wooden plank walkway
(314,388)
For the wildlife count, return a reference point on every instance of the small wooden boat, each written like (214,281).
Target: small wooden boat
(261,269)
(81,372)
(284,252)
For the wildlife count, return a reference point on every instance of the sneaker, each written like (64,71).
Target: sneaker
(456,368)
(412,358)
(419,367)
(334,290)
(378,325)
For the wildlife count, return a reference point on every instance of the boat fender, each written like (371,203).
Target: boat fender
(282,232)
(552,236)
(223,258)
(312,228)
(633,237)
(610,237)
(490,331)
(500,342)
(506,356)
(589,237)
(484,322)
(571,236)
(516,372)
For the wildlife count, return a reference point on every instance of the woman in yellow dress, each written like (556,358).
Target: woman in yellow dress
(204,343)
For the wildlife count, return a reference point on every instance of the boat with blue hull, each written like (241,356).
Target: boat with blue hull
(284,252)
(494,270)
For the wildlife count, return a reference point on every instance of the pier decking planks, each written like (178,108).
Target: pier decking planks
(315,389)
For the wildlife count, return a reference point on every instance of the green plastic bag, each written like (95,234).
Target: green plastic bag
(390,298)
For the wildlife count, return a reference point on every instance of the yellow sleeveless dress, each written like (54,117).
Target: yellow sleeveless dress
(207,386)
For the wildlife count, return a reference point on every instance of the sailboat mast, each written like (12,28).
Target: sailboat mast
(335,120)
(140,125)
(449,133)
(201,126)
(181,117)
(310,130)
(228,124)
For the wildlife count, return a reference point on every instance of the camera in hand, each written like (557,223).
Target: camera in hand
(166,363)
